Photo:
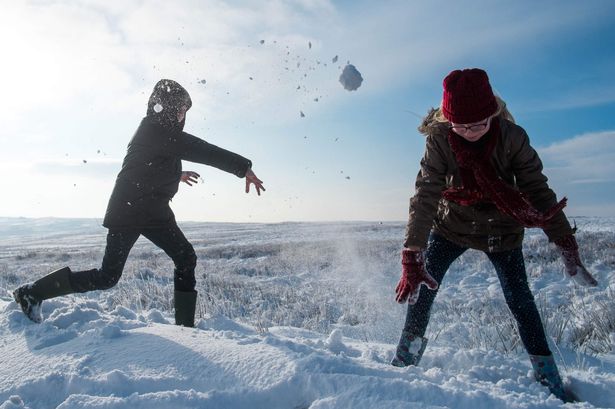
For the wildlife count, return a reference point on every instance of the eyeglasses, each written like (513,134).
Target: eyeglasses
(472,128)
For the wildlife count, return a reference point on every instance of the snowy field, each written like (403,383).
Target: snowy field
(294,316)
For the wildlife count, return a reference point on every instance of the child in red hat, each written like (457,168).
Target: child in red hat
(480,184)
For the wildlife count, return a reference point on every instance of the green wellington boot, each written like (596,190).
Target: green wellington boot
(31,296)
(185,305)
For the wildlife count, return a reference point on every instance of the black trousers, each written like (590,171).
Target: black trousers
(119,243)
(510,268)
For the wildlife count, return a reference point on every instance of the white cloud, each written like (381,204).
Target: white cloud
(63,53)
(86,168)
(67,55)
(78,73)
(588,158)
(576,95)
(583,169)
(400,42)
(601,210)
(57,51)
(52,188)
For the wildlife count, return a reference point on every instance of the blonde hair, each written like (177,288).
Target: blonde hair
(501,111)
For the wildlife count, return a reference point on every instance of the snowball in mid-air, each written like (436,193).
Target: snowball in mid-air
(158,108)
(351,78)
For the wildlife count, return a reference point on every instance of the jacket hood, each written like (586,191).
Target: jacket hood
(165,102)
(430,122)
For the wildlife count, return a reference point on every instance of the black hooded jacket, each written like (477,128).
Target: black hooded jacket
(152,168)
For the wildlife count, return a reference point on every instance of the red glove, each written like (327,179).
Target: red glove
(574,268)
(413,275)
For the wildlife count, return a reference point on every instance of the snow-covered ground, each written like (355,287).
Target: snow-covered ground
(293,315)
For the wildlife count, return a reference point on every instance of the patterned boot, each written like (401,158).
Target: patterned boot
(547,374)
(410,350)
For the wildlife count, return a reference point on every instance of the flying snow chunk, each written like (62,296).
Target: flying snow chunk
(158,108)
(203,82)
(351,78)
(334,60)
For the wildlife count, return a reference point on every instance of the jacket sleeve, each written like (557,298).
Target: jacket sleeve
(530,179)
(189,147)
(430,182)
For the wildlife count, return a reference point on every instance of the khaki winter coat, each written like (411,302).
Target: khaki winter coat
(480,226)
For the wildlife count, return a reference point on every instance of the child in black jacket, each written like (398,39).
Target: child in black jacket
(139,205)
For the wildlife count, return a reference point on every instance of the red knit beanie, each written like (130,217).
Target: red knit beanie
(467,96)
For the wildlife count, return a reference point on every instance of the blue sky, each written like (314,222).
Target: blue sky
(78,75)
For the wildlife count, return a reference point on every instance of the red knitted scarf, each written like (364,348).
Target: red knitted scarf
(480,182)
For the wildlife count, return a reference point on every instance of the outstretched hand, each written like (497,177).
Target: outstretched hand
(190,177)
(252,179)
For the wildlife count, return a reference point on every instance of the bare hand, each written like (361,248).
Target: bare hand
(190,177)
(252,179)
